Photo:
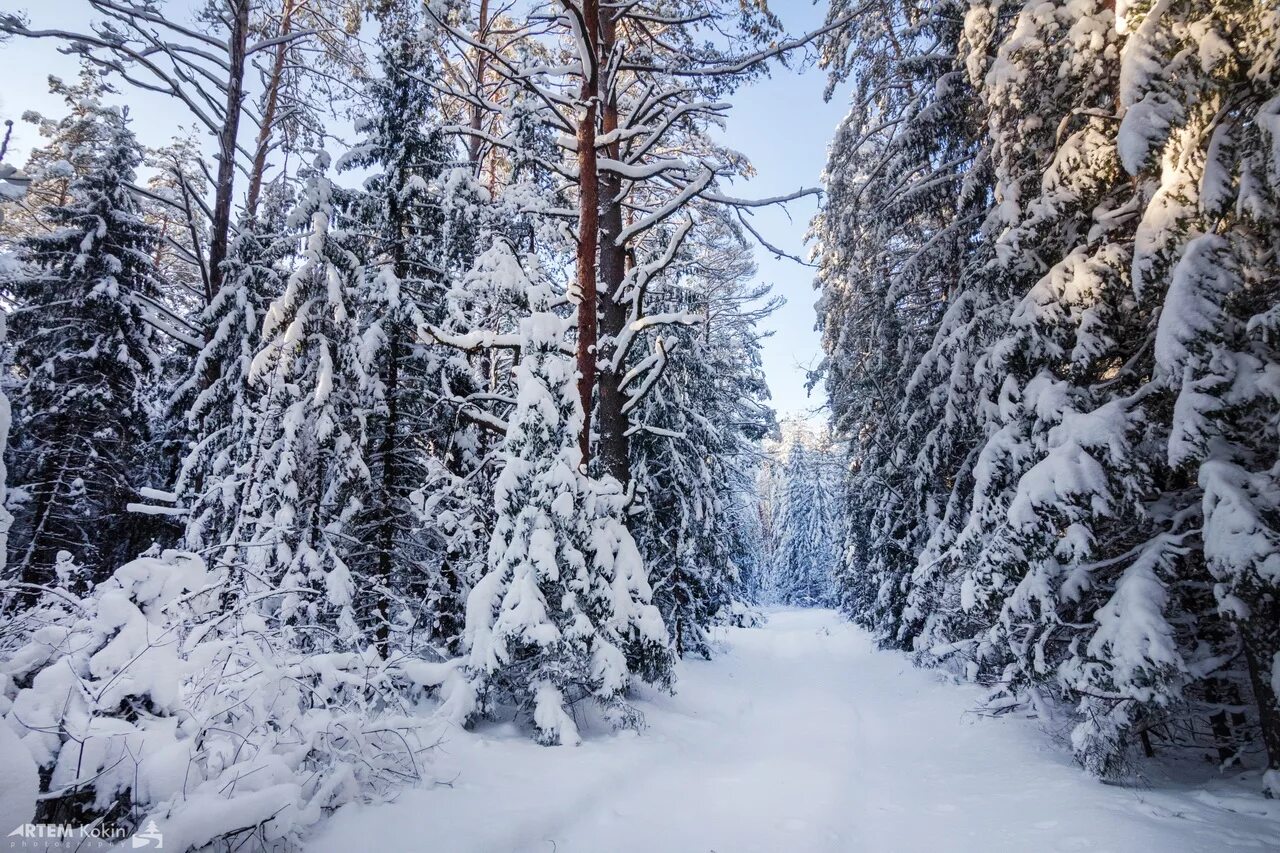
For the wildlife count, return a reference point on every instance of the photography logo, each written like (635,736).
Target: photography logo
(38,835)
(149,837)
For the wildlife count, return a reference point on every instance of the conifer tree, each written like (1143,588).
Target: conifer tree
(695,448)
(307,478)
(84,358)
(907,180)
(1072,487)
(72,143)
(564,612)
(217,403)
(423,231)
(802,496)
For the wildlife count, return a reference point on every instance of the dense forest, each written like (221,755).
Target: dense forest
(413,373)
(469,409)
(1051,308)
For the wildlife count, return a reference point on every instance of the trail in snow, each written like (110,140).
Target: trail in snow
(799,737)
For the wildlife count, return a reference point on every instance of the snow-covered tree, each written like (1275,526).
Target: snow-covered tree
(307,477)
(217,404)
(149,700)
(806,512)
(413,251)
(563,613)
(906,178)
(13,187)
(1053,394)
(83,361)
(71,143)
(696,443)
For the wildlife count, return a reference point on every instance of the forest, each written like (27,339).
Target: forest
(382,395)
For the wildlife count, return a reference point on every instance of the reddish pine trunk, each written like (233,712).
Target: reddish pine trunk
(614,449)
(269,108)
(224,185)
(588,228)
(477,115)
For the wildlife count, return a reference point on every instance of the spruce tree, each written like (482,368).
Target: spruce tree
(217,405)
(307,477)
(907,180)
(422,231)
(564,612)
(695,447)
(1063,481)
(84,358)
(805,507)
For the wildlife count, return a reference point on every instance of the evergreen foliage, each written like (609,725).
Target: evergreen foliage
(83,363)
(1046,342)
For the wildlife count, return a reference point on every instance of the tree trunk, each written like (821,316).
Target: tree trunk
(389,446)
(588,223)
(1224,725)
(224,185)
(38,554)
(387,524)
(614,450)
(477,115)
(269,107)
(1261,647)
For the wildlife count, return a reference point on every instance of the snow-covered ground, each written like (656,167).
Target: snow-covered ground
(799,736)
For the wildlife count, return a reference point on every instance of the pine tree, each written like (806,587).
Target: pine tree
(84,358)
(73,143)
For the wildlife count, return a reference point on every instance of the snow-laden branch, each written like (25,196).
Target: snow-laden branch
(651,367)
(692,190)
(468,341)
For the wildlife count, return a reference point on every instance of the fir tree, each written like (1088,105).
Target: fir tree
(415,208)
(307,478)
(695,448)
(217,404)
(804,503)
(1072,487)
(84,358)
(907,178)
(563,613)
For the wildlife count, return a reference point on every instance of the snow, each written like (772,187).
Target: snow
(19,781)
(1133,634)
(798,736)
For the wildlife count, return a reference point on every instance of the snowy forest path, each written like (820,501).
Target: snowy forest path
(798,736)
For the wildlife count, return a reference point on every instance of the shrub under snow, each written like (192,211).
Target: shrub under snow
(151,698)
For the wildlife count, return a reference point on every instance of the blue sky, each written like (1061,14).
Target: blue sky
(780,123)
(783,126)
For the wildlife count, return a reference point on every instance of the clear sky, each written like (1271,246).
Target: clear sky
(783,125)
(780,123)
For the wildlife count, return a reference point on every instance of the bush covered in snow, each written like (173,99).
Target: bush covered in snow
(152,697)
